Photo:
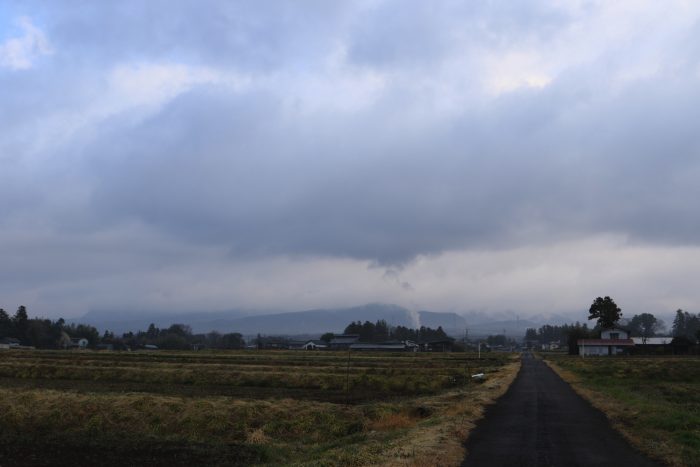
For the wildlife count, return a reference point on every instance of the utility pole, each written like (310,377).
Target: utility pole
(347,380)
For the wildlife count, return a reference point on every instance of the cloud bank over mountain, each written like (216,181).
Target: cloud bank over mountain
(293,155)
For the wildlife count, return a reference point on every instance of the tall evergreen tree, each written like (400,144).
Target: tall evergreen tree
(678,329)
(605,311)
(6,327)
(21,323)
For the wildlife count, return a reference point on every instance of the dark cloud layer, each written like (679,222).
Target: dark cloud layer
(217,168)
(374,131)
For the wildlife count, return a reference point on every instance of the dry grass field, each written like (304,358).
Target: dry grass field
(242,407)
(653,401)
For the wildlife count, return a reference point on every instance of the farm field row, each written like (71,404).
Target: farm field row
(242,407)
(322,375)
(653,401)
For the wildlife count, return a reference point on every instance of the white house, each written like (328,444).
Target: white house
(613,341)
(79,343)
(315,345)
(554,345)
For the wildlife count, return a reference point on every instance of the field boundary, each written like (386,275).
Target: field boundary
(620,417)
(444,443)
(299,409)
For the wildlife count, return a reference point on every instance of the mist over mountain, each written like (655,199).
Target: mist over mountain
(288,323)
(125,321)
(318,321)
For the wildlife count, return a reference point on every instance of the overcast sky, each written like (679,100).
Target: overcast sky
(442,155)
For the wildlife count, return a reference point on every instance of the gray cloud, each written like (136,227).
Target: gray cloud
(212,167)
(378,132)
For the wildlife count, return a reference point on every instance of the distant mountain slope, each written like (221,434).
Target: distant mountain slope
(450,322)
(125,321)
(289,323)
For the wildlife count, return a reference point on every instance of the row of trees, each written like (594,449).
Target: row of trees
(500,340)
(178,337)
(42,333)
(607,314)
(686,325)
(567,333)
(48,334)
(382,332)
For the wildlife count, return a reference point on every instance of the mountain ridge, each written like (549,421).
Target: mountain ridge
(311,322)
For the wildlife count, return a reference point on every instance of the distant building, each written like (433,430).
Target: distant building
(276,343)
(9,343)
(652,340)
(343,341)
(444,345)
(653,345)
(315,345)
(79,343)
(613,341)
(393,346)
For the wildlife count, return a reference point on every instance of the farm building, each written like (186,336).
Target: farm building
(315,345)
(553,345)
(79,343)
(9,343)
(653,345)
(394,346)
(652,340)
(444,345)
(613,341)
(343,341)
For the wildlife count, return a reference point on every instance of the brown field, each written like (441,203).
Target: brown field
(242,407)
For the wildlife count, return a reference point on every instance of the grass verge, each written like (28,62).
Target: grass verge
(653,401)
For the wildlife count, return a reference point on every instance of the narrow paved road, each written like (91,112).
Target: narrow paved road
(541,421)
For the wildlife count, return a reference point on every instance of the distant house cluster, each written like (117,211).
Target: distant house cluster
(617,341)
(9,343)
(353,342)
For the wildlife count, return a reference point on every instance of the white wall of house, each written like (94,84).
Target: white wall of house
(598,350)
(592,350)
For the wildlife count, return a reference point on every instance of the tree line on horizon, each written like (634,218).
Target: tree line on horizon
(47,334)
(685,328)
(381,331)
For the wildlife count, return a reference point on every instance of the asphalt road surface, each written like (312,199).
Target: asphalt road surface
(541,421)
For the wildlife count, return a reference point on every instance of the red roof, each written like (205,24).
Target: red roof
(605,342)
